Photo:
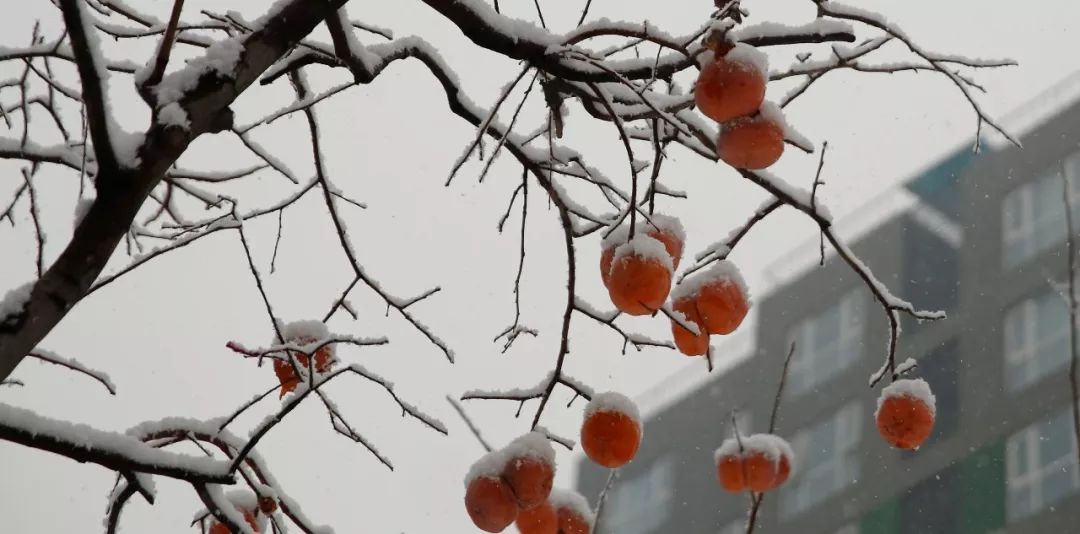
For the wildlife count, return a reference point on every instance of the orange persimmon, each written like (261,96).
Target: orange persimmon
(686,341)
(732,85)
(490,504)
(722,304)
(640,276)
(540,519)
(751,142)
(530,479)
(906,412)
(611,432)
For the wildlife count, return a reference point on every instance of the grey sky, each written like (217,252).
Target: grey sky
(161,332)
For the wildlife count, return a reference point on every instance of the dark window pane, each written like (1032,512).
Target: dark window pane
(930,506)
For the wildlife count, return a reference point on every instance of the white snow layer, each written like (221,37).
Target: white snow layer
(125,145)
(720,272)
(490,465)
(81,209)
(645,247)
(612,401)
(573,501)
(748,56)
(174,115)
(116,443)
(533,445)
(221,59)
(305,330)
(915,388)
(666,224)
(15,300)
(770,445)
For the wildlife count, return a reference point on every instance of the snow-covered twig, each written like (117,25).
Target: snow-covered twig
(74,365)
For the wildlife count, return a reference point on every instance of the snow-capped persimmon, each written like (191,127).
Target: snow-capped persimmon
(640,276)
(575,516)
(540,519)
(905,413)
(732,85)
(490,504)
(663,228)
(720,296)
(760,462)
(611,432)
(687,342)
(529,469)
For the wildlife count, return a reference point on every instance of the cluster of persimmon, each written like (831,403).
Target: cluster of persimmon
(302,333)
(731,91)
(636,267)
(506,483)
(905,413)
(253,515)
(760,462)
(514,484)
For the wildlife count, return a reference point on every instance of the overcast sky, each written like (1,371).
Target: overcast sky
(161,331)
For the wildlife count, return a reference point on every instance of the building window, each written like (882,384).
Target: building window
(826,344)
(1033,217)
(643,504)
(931,506)
(828,460)
(1040,466)
(1036,339)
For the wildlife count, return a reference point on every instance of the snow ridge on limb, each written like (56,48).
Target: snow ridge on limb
(112,450)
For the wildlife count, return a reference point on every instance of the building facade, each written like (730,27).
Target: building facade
(985,241)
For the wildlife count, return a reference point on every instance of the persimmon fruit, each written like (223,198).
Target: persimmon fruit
(640,276)
(752,143)
(663,228)
(324,359)
(530,479)
(729,470)
(760,462)
(687,342)
(722,305)
(731,85)
(490,503)
(761,470)
(611,432)
(540,519)
(575,515)
(905,414)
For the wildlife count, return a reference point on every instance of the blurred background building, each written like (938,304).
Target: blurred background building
(980,236)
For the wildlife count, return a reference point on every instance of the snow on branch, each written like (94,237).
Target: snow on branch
(74,365)
(533,392)
(938,62)
(119,452)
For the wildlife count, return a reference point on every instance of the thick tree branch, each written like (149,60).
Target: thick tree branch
(121,191)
